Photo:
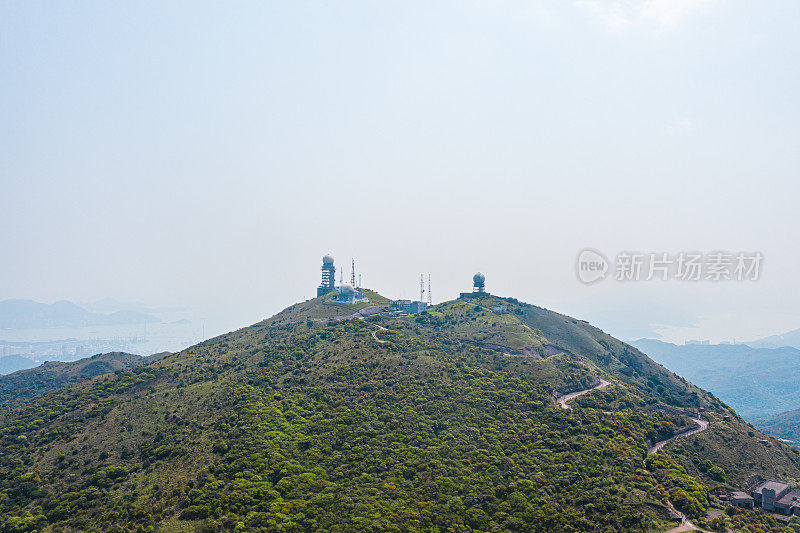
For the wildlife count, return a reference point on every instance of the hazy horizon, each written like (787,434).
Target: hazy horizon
(207,155)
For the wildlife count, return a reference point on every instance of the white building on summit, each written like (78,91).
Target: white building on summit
(349,295)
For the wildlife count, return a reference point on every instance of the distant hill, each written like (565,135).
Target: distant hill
(319,419)
(22,314)
(791,338)
(784,425)
(757,382)
(12,363)
(23,385)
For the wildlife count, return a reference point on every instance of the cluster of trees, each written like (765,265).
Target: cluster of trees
(735,519)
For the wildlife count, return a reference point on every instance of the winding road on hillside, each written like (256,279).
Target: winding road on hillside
(702,425)
(562,400)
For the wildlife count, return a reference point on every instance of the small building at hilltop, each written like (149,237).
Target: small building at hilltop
(478,287)
(742,500)
(404,307)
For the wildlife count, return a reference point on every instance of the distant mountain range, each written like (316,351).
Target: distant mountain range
(757,382)
(25,314)
(791,338)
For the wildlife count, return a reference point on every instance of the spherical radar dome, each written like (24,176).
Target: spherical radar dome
(346,288)
(327,259)
(478,278)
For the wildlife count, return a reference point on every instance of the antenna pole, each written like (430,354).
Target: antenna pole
(430,298)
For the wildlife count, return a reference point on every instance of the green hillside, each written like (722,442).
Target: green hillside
(785,426)
(436,422)
(24,385)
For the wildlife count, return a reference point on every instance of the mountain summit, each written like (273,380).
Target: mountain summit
(331,417)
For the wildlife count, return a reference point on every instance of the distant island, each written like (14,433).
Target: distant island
(28,314)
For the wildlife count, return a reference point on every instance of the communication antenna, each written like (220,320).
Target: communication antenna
(341,275)
(359,281)
(421,287)
(353,272)
(430,298)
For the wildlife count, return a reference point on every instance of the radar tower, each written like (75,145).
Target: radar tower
(328,276)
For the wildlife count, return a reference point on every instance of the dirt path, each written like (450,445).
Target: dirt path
(562,401)
(685,525)
(702,425)
(374,336)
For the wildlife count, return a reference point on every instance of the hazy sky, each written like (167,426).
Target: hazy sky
(208,154)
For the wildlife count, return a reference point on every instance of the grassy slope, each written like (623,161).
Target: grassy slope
(621,360)
(473,320)
(736,447)
(323,427)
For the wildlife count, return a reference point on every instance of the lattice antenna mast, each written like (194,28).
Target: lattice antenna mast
(421,287)
(359,280)
(430,297)
(353,272)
